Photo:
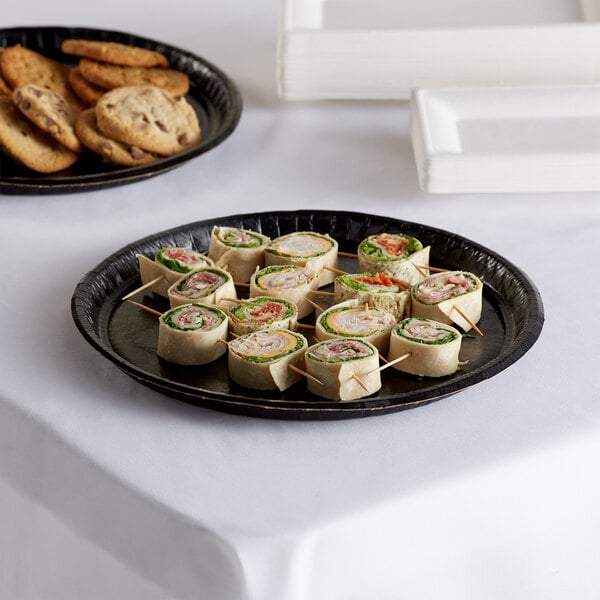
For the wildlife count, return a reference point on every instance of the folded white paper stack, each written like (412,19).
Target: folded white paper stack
(520,139)
(383,49)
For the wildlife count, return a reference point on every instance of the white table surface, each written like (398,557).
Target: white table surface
(111,490)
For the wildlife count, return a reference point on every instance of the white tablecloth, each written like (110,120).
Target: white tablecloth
(111,490)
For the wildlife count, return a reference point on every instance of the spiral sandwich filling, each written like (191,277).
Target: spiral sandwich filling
(193,317)
(351,319)
(314,251)
(169,264)
(239,238)
(394,254)
(284,278)
(286,282)
(207,285)
(181,260)
(264,346)
(425,331)
(378,290)
(453,297)
(334,351)
(442,286)
(262,312)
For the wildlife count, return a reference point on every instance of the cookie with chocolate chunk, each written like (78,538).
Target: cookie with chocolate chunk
(114,53)
(148,117)
(113,150)
(50,112)
(29,144)
(20,66)
(113,76)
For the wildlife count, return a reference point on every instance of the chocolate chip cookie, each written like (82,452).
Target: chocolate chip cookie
(148,117)
(29,144)
(20,65)
(50,112)
(112,76)
(114,53)
(113,150)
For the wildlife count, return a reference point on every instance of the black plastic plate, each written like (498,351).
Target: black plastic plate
(512,319)
(215,98)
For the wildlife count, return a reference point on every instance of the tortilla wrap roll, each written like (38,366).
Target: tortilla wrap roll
(434,347)
(240,251)
(262,312)
(378,290)
(170,263)
(207,285)
(287,282)
(337,364)
(447,296)
(189,334)
(394,254)
(260,360)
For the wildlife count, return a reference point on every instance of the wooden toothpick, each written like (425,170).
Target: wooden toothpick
(314,304)
(421,270)
(144,307)
(143,287)
(434,269)
(305,374)
(391,363)
(348,254)
(467,319)
(360,382)
(334,270)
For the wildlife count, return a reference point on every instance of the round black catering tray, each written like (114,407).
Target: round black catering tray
(512,319)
